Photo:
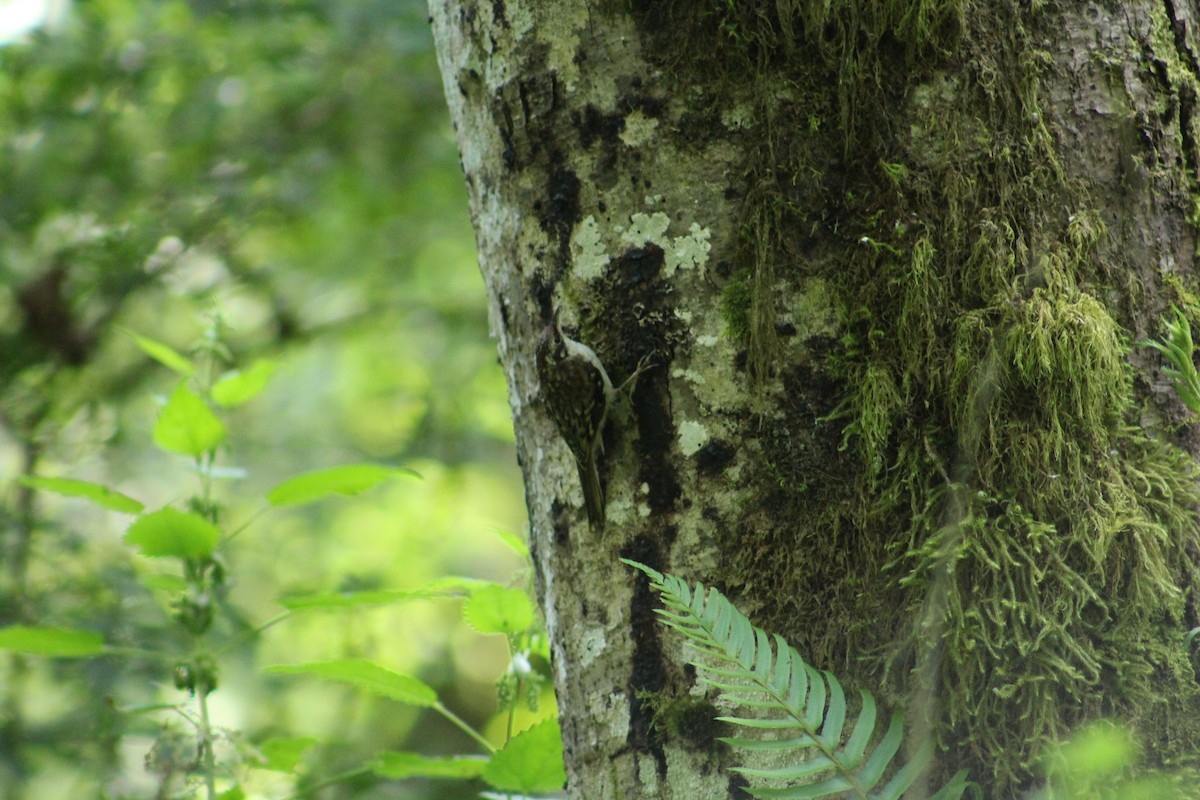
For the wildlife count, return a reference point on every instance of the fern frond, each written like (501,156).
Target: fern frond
(767,678)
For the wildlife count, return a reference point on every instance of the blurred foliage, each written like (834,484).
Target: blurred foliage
(282,173)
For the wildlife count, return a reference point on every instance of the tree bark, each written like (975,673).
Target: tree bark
(890,262)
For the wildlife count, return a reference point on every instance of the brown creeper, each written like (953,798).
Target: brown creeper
(577,393)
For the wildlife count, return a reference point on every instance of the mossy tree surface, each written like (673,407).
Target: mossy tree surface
(891,260)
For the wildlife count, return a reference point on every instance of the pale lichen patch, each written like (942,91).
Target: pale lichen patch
(587,249)
(639,129)
(692,436)
(645,228)
(559,29)
(690,251)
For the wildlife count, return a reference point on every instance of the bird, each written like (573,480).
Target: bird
(577,393)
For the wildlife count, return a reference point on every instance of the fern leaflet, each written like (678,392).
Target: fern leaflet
(780,692)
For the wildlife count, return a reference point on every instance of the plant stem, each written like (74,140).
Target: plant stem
(345,776)
(463,726)
(206,744)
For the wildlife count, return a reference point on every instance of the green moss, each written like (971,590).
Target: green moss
(736,306)
(687,719)
(1008,524)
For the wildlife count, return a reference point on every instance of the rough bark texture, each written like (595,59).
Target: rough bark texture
(890,260)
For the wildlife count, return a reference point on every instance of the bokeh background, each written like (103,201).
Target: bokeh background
(242,179)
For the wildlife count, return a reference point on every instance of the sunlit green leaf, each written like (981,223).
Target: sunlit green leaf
(239,386)
(171,533)
(97,493)
(236,793)
(54,642)
(165,355)
(516,543)
(414,765)
(495,609)
(284,753)
(187,425)
(346,480)
(453,586)
(447,586)
(532,761)
(377,597)
(366,675)
(162,582)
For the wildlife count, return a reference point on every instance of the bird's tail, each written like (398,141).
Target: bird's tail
(593,492)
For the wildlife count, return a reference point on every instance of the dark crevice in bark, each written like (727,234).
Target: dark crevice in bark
(1186,92)
(648,673)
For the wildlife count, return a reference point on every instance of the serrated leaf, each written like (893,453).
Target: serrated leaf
(284,753)
(168,533)
(239,386)
(400,765)
(532,761)
(366,675)
(496,609)
(164,354)
(186,424)
(51,642)
(345,480)
(97,493)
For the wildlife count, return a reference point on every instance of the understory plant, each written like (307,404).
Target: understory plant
(192,756)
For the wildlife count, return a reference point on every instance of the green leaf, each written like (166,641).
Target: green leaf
(239,386)
(379,597)
(443,587)
(236,793)
(495,609)
(532,761)
(398,766)
(366,675)
(171,533)
(284,753)
(187,425)
(516,543)
(164,354)
(53,642)
(99,494)
(347,480)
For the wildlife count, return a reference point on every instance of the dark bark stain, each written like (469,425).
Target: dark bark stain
(654,444)
(595,126)
(648,673)
(714,457)
(1186,92)
(639,265)
(560,212)
(737,787)
(498,15)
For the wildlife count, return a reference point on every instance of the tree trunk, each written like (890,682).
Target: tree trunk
(890,262)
